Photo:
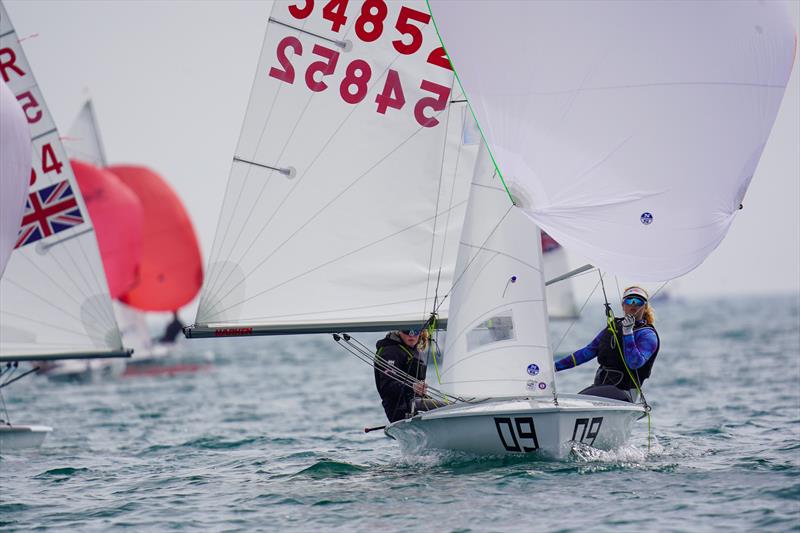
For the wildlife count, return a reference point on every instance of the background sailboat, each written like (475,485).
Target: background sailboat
(54,299)
(166,258)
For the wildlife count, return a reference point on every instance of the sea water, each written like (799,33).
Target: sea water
(271,438)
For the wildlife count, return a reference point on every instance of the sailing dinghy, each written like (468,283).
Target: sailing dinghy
(54,298)
(343,212)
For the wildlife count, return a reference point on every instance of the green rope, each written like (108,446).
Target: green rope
(472,112)
(434,345)
(612,326)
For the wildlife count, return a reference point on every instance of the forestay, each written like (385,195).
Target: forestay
(497,341)
(338,210)
(634,127)
(15,170)
(54,300)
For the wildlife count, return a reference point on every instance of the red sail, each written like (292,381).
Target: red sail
(171,270)
(118,217)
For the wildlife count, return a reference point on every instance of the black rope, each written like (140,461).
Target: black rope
(364,354)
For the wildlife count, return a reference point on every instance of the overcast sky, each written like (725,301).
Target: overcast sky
(170,82)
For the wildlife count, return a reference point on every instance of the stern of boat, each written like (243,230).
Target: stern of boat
(519,426)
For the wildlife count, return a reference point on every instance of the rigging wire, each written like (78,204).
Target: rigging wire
(436,211)
(575,320)
(474,257)
(10,369)
(364,354)
(447,220)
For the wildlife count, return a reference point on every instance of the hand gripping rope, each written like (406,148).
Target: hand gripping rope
(612,326)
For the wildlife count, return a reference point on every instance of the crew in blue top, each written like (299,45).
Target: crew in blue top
(639,342)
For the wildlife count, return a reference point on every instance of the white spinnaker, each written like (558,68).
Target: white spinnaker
(54,300)
(351,232)
(560,295)
(83,140)
(635,127)
(497,342)
(15,170)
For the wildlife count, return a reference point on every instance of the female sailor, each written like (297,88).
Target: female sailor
(626,350)
(401,350)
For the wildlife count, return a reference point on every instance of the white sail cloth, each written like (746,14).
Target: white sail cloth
(351,230)
(15,170)
(54,299)
(634,127)
(497,341)
(560,295)
(83,140)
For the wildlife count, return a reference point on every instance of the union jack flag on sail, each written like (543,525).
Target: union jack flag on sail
(48,211)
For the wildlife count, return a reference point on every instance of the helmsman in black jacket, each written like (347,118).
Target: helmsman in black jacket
(400,350)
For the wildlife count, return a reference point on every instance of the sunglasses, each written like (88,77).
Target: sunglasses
(634,300)
(411,332)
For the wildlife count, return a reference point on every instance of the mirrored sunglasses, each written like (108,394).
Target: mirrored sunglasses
(410,332)
(633,300)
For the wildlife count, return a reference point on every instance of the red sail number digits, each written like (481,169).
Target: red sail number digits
(369,26)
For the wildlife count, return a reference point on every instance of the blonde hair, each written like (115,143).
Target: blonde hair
(422,343)
(649,315)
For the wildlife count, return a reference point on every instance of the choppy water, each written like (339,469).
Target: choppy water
(272,439)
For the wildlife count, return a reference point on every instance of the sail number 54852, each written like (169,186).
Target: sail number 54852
(353,87)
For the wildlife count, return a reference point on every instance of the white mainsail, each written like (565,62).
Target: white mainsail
(83,140)
(15,170)
(339,212)
(497,341)
(54,300)
(634,127)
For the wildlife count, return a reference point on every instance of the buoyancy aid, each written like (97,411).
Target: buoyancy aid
(612,369)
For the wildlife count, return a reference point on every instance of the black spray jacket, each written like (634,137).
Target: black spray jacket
(397,398)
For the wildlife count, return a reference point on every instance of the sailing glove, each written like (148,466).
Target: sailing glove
(627,324)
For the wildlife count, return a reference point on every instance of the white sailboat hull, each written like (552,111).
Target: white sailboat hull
(519,426)
(16,437)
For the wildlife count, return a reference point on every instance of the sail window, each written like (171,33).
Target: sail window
(498,328)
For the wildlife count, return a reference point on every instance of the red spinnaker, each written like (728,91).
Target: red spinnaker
(171,270)
(118,219)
